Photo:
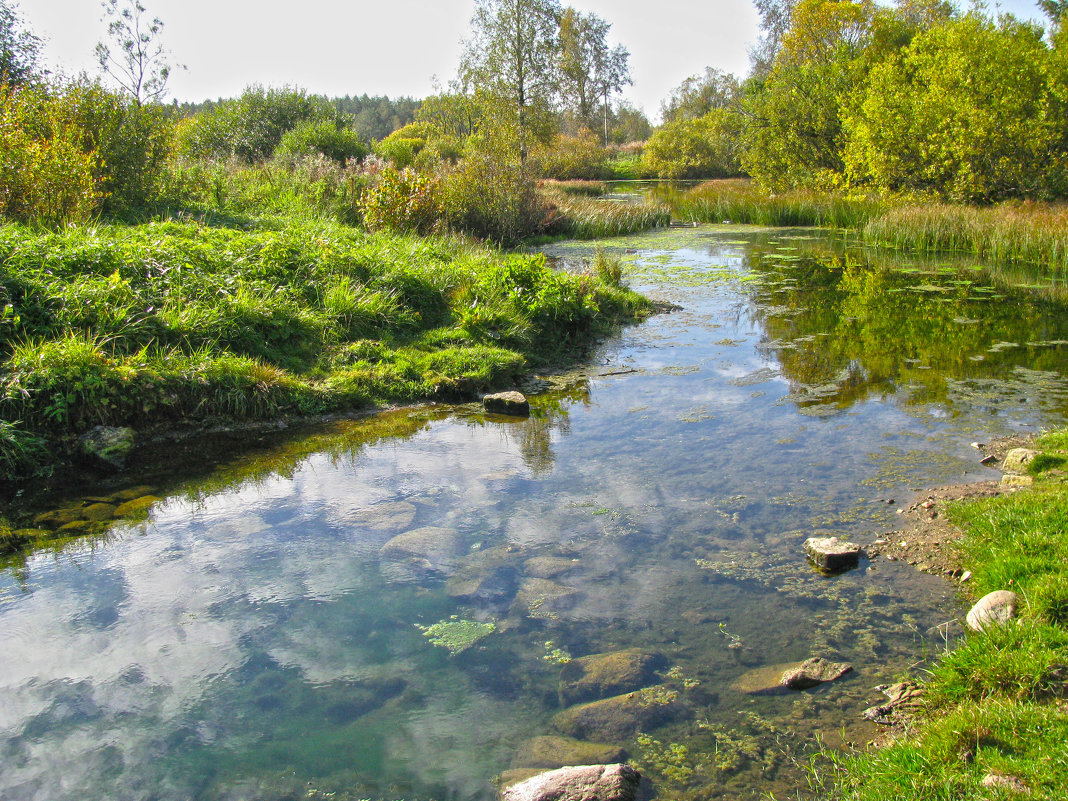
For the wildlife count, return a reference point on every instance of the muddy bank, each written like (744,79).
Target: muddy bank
(927,538)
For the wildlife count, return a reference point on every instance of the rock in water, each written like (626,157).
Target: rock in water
(513,403)
(621,716)
(548,752)
(107,445)
(812,672)
(832,554)
(1017,459)
(585,783)
(997,607)
(603,675)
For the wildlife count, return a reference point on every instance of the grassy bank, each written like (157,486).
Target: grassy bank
(171,323)
(996,705)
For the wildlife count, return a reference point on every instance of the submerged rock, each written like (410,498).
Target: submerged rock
(622,716)
(1017,460)
(57,518)
(998,607)
(440,548)
(548,567)
(832,554)
(98,512)
(544,598)
(603,675)
(903,700)
(813,672)
(392,516)
(136,507)
(495,587)
(512,403)
(583,783)
(551,751)
(107,445)
(766,680)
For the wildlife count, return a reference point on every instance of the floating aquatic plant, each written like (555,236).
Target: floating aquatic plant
(455,634)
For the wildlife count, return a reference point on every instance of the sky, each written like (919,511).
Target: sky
(391,47)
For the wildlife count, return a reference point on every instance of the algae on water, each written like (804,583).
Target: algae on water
(455,634)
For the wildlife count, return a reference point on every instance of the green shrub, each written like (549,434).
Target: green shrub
(251,126)
(400,151)
(493,198)
(45,175)
(321,137)
(402,201)
(706,147)
(572,157)
(131,143)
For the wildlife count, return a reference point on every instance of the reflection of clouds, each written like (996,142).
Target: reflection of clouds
(186,590)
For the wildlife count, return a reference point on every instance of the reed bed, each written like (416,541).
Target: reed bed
(738,200)
(1010,232)
(576,188)
(589,218)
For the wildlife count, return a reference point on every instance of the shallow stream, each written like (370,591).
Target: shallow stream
(390,608)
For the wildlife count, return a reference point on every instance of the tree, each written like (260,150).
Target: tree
(512,55)
(699,94)
(774,23)
(793,136)
(590,70)
(972,109)
(136,58)
(18,47)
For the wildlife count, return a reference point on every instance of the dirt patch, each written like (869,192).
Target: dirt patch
(926,538)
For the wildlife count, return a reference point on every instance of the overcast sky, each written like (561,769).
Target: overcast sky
(391,47)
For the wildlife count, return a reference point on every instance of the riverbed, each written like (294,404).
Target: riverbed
(390,607)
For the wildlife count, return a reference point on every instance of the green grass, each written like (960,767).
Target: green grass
(581,217)
(996,703)
(1012,232)
(739,200)
(162,323)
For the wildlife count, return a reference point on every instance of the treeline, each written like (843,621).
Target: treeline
(372,117)
(916,98)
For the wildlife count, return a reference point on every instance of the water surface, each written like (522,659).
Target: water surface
(263,636)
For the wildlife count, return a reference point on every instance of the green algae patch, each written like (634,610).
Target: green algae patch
(456,635)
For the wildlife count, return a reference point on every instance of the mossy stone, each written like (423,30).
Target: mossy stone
(554,751)
(76,527)
(57,518)
(621,716)
(99,512)
(604,675)
(130,493)
(136,507)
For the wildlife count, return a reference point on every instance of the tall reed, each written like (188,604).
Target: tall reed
(738,200)
(1009,232)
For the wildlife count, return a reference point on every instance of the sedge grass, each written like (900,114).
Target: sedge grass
(738,200)
(589,218)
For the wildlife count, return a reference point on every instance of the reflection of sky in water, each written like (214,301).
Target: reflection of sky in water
(207,652)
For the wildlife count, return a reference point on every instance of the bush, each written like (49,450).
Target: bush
(132,144)
(251,127)
(490,197)
(321,137)
(572,157)
(402,201)
(703,148)
(45,176)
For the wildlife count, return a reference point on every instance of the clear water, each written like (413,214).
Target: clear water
(253,639)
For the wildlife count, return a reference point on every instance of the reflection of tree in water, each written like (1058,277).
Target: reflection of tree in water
(548,413)
(844,328)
